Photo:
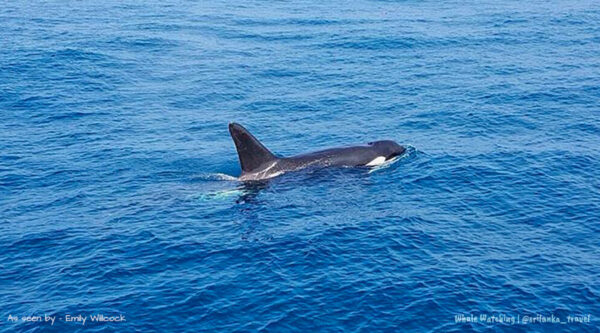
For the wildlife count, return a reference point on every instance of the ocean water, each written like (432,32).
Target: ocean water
(117,173)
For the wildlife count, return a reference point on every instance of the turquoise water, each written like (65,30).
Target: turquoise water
(117,188)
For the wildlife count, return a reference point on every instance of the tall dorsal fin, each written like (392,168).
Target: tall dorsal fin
(251,152)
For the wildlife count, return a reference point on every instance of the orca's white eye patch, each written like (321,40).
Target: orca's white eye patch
(379,160)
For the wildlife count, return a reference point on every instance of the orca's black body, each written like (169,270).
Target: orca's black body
(258,162)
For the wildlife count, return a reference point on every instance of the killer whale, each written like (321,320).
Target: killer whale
(258,163)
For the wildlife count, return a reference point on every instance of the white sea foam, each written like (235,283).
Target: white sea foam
(217,176)
(217,195)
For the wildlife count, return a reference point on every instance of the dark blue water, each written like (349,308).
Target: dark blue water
(115,164)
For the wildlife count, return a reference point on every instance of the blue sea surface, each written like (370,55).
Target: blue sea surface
(117,172)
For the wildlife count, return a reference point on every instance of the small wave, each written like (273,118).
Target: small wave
(216,195)
(216,176)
